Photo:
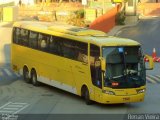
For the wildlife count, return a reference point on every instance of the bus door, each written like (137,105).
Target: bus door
(67,66)
(80,66)
(95,70)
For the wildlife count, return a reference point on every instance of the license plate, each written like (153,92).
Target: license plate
(126,98)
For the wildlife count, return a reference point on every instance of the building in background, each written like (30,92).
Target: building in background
(25,2)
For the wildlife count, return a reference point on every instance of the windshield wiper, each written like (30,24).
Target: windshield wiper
(131,72)
(117,76)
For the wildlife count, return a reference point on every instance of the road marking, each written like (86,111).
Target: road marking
(154,77)
(3,111)
(158,76)
(13,107)
(151,80)
(10,108)
(1,73)
(5,105)
(118,33)
(18,75)
(19,103)
(21,109)
(8,72)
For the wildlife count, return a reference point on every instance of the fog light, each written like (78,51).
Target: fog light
(108,92)
(140,90)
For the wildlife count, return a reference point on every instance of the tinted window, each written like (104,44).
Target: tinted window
(16,35)
(94,52)
(81,50)
(95,65)
(24,37)
(69,49)
(43,42)
(55,45)
(33,42)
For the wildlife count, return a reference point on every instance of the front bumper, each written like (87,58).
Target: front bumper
(113,99)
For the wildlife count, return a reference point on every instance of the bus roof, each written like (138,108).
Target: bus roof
(78,33)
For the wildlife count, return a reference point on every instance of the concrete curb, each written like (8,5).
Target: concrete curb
(117,29)
(6,24)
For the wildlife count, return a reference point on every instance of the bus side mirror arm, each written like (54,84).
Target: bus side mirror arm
(151,63)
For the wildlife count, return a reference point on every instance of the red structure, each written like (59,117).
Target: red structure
(105,22)
(154,56)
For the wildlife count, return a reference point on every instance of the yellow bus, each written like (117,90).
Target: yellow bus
(86,62)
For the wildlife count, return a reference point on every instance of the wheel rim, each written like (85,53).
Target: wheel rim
(34,79)
(86,95)
(26,75)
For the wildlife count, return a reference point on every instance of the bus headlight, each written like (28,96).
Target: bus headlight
(140,90)
(108,92)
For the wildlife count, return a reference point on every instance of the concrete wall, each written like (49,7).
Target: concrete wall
(149,9)
(5,42)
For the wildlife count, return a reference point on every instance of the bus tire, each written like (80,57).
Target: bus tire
(26,75)
(86,96)
(34,78)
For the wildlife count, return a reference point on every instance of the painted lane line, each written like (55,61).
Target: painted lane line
(15,106)
(158,76)
(19,103)
(8,72)
(151,80)
(21,109)
(154,77)
(7,108)
(5,105)
(1,73)
(5,111)
(118,33)
(18,75)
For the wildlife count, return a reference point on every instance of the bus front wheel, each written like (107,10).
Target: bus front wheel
(34,78)
(26,75)
(86,96)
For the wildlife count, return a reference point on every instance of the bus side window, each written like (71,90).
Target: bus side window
(33,41)
(55,45)
(24,37)
(68,49)
(43,42)
(95,65)
(81,52)
(16,35)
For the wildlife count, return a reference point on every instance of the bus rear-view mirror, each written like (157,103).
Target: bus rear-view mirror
(103,64)
(150,62)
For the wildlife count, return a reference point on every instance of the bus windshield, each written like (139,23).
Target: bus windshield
(124,67)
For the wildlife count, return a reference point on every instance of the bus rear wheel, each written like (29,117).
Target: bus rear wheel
(26,75)
(34,78)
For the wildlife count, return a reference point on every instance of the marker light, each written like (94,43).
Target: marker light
(108,92)
(140,90)
(115,83)
(120,50)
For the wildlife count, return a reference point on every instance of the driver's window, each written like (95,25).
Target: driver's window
(95,65)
